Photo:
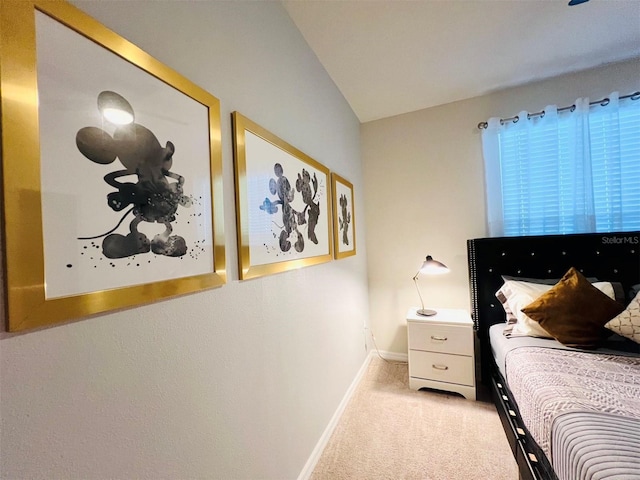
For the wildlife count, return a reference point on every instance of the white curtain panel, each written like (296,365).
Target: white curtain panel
(544,174)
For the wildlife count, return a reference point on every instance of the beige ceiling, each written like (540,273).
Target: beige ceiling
(390,57)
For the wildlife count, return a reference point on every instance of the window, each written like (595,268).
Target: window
(569,170)
(615,160)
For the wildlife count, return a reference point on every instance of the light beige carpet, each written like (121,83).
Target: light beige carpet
(390,432)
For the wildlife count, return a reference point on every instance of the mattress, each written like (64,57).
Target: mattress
(575,404)
(501,345)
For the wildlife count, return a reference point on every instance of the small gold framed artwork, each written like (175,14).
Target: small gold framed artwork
(344,217)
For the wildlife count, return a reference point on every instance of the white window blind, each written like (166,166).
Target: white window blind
(565,172)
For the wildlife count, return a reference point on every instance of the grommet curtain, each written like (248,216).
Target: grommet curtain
(576,170)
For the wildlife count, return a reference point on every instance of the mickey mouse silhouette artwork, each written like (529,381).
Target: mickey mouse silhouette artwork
(292,219)
(345,219)
(153,197)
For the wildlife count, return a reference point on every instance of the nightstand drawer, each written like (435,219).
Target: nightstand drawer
(441,367)
(440,338)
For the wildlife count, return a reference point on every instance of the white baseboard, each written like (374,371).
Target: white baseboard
(307,470)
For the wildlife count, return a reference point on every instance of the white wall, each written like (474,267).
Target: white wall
(424,190)
(233,383)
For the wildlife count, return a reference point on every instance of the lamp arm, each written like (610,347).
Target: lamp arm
(415,280)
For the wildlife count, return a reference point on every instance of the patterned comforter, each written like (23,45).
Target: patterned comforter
(550,385)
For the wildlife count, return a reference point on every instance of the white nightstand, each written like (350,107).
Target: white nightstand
(441,354)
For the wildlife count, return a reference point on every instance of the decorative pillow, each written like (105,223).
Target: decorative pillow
(542,281)
(618,293)
(518,295)
(574,311)
(618,290)
(627,323)
(511,318)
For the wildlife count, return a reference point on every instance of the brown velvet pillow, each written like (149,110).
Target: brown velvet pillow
(574,311)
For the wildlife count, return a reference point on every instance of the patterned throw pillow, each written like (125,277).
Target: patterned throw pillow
(511,319)
(627,323)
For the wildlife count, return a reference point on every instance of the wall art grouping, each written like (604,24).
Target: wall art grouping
(112,171)
(344,217)
(122,210)
(283,203)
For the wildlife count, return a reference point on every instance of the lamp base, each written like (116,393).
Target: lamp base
(426,312)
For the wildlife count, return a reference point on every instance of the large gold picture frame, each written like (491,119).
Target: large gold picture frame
(344,217)
(100,215)
(283,203)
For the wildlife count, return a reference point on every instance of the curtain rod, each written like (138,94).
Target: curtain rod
(603,102)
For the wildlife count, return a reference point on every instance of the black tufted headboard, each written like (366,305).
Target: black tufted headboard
(607,256)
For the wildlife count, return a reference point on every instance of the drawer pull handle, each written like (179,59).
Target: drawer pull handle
(438,339)
(440,367)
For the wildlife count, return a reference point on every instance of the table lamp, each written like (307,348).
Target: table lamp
(429,267)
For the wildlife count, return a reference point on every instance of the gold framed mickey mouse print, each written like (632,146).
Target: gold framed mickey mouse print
(344,217)
(112,170)
(282,203)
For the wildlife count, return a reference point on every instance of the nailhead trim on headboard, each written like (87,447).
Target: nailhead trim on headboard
(471,251)
(611,257)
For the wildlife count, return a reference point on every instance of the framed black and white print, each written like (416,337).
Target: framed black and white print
(344,217)
(112,170)
(282,203)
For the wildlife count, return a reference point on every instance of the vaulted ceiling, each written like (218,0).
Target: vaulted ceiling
(390,57)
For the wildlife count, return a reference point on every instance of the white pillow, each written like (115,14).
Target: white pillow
(627,323)
(520,294)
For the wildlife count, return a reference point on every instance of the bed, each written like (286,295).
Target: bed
(570,411)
